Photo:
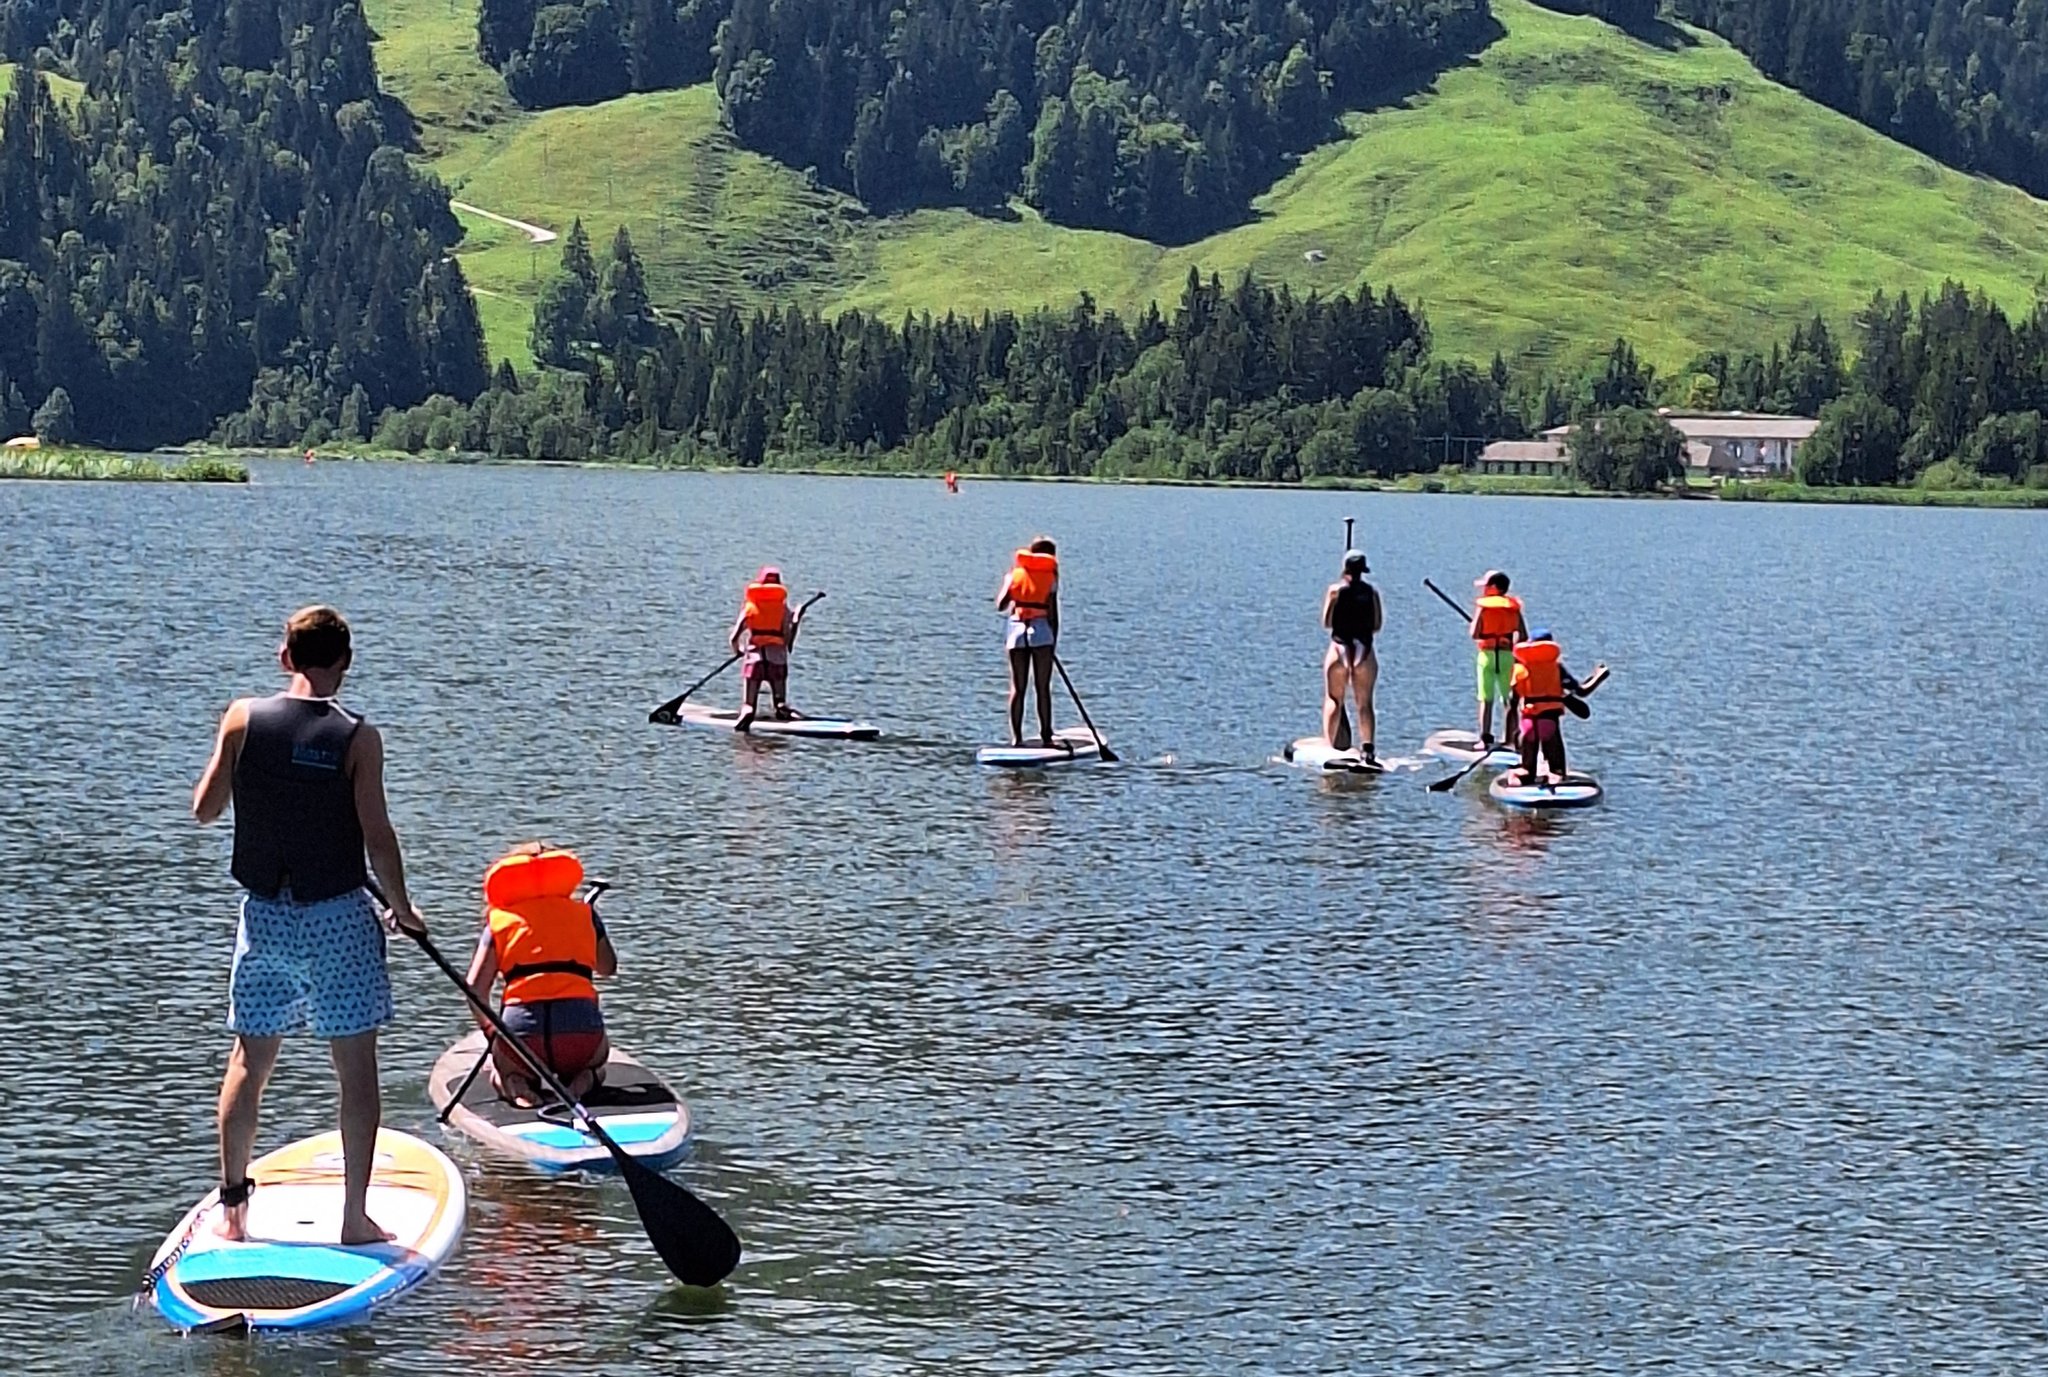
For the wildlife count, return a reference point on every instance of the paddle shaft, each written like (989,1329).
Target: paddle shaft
(1449,601)
(1101,746)
(668,710)
(482,1059)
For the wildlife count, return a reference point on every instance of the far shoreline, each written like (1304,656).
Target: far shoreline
(1461,484)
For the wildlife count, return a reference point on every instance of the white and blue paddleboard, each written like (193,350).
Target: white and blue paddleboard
(292,1272)
(766,723)
(1573,791)
(1071,746)
(1314,753)
(633,1105)
(1464,747)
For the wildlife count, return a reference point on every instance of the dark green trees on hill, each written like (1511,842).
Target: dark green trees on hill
(221,224)
(1155,118)
(1966,83)
(1161,119)
(591,50)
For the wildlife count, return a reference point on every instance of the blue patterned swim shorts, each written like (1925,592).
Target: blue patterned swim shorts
(317,967)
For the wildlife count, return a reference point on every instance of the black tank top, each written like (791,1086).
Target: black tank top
(1352,618)
(295,806)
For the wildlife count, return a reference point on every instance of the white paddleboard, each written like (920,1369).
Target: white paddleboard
(1314,753)
(292,1272)
(634,1106)
(1072,746)
(767,724)
(1463,747)
(1573,791)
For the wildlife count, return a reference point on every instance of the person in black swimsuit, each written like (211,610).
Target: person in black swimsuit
(1353,616)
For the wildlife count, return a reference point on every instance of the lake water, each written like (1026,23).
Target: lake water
(1193,1065)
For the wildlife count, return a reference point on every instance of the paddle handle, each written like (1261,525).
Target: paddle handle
(1347,533)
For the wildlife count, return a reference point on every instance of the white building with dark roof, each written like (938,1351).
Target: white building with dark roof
(1729,444)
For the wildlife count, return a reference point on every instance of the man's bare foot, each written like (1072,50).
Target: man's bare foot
(363,1229)
(233,1224)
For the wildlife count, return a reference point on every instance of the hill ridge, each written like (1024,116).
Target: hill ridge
(1571,184)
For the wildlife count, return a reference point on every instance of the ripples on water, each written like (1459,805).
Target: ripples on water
(1194,1065)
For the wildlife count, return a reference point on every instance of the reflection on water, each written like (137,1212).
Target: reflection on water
(1196,1063)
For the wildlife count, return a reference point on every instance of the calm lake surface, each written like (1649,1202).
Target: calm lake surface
(1193,1065)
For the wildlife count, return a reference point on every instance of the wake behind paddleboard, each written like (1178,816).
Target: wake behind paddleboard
(292,1272)
(634,1106)
(1464,748)
(767,724)
(1573,791)
(1314,753)
(1072,746)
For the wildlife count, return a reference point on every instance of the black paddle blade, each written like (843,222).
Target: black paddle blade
(698,1246)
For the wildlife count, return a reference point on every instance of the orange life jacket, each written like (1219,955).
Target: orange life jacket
(766,603)
(1031,584)
(546,940)
(1499,618)
(1539,678)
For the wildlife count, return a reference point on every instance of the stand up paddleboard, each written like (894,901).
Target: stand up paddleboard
(1464,747)
(1314,753)
(634,1106)
(1573,791)
(1072,746)
(292,1272)
(767,724)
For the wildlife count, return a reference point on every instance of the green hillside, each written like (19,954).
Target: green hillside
(1572,184)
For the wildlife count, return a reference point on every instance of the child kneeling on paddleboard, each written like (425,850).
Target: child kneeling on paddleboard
(549,947)
(1546,689)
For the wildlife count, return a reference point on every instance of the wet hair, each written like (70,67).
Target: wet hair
(316,638)
(1043,546)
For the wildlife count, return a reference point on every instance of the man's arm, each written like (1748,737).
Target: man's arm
(1329,605)
(1379,612)
(216,787)
(739,624)
(380,839)
(1052,611)
(790,622)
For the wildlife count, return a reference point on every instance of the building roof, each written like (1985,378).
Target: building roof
(1727,425)
(1523,451)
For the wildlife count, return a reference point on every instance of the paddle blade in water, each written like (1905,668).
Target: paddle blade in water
(699,1247)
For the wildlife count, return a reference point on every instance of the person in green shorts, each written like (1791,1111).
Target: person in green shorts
(1497,626)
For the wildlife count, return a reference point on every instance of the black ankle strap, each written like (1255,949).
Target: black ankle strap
(237,1194)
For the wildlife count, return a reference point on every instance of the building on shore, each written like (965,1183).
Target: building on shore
(1544,458)
(1720,445)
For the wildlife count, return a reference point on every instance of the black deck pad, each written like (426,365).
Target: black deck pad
(262,1293)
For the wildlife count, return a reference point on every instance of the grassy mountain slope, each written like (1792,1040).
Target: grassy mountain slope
(1572,184)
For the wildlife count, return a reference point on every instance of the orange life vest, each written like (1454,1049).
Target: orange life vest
(546,940)
(766,603)
(1499,618)
(1031,584)
(1539,678)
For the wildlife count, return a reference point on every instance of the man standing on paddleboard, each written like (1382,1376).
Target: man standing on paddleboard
(1353,616)
(306,778)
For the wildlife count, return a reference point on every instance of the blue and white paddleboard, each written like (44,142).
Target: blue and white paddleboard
(634,1106)
(292,1271)
(1071,746)
(1464,747)
(1573,791)
(1314,753)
